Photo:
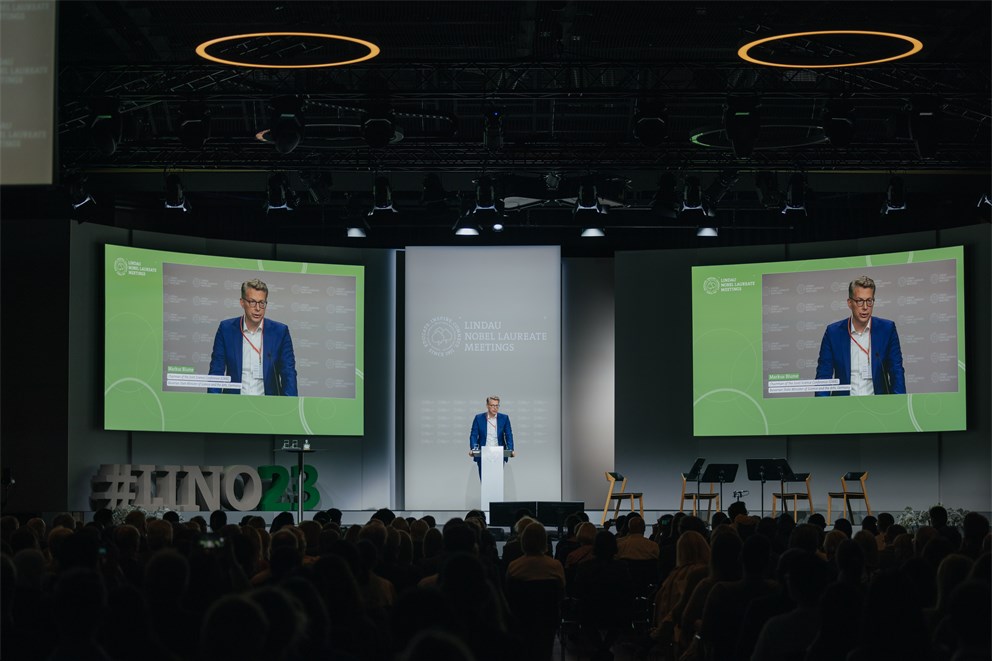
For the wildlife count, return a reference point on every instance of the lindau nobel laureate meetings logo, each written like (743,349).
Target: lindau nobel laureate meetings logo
(120,266)
(441,336)
(711,285)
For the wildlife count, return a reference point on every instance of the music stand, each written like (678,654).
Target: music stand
(761,470)
(695,474)
(720,473)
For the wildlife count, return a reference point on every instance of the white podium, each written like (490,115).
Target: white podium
(492,474)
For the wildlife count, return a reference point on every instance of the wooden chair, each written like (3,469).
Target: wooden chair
(846,495)
(696,497)
(795,496)
(620,496)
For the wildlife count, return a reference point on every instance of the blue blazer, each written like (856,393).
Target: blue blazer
(278,359)
(504,434)
(887,373)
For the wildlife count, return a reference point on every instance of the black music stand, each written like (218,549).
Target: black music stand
(695,474)
(762,470)
(720,473)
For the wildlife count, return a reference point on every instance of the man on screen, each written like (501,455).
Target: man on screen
(490,428)
(862,351)
(254,351)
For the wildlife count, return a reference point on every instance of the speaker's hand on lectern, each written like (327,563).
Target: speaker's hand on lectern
(513,453)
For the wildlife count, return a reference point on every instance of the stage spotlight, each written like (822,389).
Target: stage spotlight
(895,197)
(356,227)
(378,128)
(194,124)
(286,122)
(175,196)
(924,124)
(492,124)
(106,126)
(467,225)
(382,197)
(766,184)
(486,212)
(707,231)
(692,196)
(795,194)
(588,211)
(651,123)
(741,122)
(78,195)
(280,196)
(838,123)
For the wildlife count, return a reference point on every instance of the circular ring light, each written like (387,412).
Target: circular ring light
(703,137)
(201,50)
(915,46)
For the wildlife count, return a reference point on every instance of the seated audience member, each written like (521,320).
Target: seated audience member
(233,613)
(79,605)
(832,540)
(158,534)
(692,565)
(976,529)
(838,602)
(891,605)
(167,576)
(568,544)
(585,535)
(845,527)
(634,546)
(969,614)
(603,580)
(535,564)
(953,571)
(938,519)
(725,551)
(287,623)
(479,616)
(760,610)
(512,548)
(787,636)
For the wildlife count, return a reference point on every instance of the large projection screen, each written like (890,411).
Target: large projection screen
(481,321)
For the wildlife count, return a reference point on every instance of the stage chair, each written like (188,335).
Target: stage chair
(846,495)
(620,496)
(696,497)
(795,496)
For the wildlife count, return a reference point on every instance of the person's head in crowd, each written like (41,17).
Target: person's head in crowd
(922,537)
(281,519)
(103,517)
(311,533)
(719,519)
(817,520)
(736,508)
(692,523)
(335,515)
(768,527)
(81,549)
(287,622)
(284,560)
(234,613)
(518,515)
(23,538)
(285,537)
(582,515)
(128,541)
(137,519)
(375,532)
(831,541)
(8,524)
(31,569)
(399,523)
(604,546)
(199,522)
(869,548)
(433,543)
(418,530)
(37,526)
(404,548)
(635,526)
(936,550)
(436,645)
(572,522)
(952,572)
(463,581)
(692,549)
(534,539)
(171,516)
(969,613)
(938,516)
(870,524)
(158,533)
(257,522)
(218,519)
(55,539)
(459,538)
(755,556)
(745,525)
(328,536)
(892,532)
(725,551)
(166,578)
(805,536)
(63,520)
(845,527)
(663,528)
(585,534)
(321,518)
(476,514)
(429,520)
(902,549)
(884,521)
(850,561)
(807,577)
(385,515)
(976,529)
(265,540)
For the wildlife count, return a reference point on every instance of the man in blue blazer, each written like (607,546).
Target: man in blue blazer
(254,351)
(490,428)
(862,351)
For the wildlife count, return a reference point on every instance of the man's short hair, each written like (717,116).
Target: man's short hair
(492,398)
(864,282)
(255,284)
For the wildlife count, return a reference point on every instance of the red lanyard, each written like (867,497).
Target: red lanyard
(248,340)
(850,335)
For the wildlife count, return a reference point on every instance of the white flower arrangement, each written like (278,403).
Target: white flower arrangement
(914,519)
(120,513)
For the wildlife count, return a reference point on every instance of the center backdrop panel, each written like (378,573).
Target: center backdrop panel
(479,322)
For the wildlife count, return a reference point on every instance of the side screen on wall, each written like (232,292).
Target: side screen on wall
(777,348)
(177,357)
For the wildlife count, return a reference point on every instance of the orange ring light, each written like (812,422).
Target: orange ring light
(201,50)
(915,46)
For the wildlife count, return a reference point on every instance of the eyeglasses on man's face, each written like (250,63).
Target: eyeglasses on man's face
(862,302)
(255,304)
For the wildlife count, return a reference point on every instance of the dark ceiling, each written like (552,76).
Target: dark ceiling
(570,81)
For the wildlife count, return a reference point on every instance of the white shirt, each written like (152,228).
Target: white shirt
(491,431)
(861,381)
(252,382)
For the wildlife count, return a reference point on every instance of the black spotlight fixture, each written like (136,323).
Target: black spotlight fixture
(692,196)
(79,196)
(766,183)
(106,125)
(287,123)
(588,211)
(194,124)
(280,195)
(175,196)
(486,211)
(382,197)
(795,194)
(838,122)
(492,128)
(651,123)
(742,122)
(924,124)
(378,128)
(895,197)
